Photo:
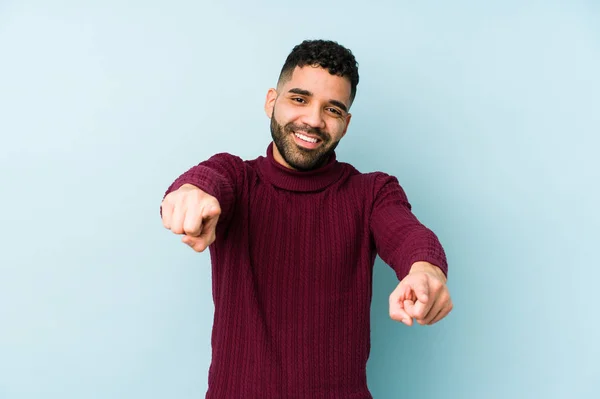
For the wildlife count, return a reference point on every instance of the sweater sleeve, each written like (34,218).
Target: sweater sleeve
(219,176)
(400,238)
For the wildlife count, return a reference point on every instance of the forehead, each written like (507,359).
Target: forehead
(320,82)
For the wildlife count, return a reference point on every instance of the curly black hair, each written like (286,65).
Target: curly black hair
(327,54)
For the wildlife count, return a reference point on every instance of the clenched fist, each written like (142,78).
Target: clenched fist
(193,213)
(422,295)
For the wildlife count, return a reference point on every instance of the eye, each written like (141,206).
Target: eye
(335,111)
(298,100)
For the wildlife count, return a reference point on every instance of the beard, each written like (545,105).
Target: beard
(299,158)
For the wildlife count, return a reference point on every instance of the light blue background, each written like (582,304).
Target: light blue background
(488,113)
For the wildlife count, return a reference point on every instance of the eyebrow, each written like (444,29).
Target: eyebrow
(307,93)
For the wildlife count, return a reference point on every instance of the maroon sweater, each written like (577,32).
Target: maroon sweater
(292,271)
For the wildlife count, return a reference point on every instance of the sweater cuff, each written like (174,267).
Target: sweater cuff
(209,181)
(430,257)
(421,246)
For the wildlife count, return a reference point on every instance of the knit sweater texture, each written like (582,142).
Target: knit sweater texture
(292,268)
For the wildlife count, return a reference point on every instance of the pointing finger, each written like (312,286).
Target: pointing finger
(198,244)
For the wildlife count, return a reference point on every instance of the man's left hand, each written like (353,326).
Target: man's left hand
(422,295)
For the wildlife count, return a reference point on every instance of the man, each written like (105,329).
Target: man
(293,237)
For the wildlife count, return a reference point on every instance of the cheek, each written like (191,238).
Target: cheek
(286,113)
(336,128)
(283,115)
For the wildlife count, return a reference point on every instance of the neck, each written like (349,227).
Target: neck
(279,159)
(296,180)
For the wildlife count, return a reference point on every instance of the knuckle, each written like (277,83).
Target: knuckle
(189,228)
(434,283)
(445,298)
(177,230)
(214,205)
(196,196)
(190,199)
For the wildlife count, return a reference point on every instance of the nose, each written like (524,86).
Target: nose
(313,117)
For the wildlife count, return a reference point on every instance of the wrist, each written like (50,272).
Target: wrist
(426,267)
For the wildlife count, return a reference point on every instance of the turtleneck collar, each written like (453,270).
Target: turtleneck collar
(293,180)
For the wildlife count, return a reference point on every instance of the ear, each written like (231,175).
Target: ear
(270,102)
(348,117)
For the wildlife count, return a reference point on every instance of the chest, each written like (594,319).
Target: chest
(307,237)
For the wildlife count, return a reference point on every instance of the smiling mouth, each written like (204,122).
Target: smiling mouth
(308,139)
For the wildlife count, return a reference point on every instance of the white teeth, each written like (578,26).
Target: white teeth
(305,138)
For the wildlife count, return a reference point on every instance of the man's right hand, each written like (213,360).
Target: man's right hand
(193,213)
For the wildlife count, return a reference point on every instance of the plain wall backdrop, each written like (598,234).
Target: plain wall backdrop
(487,112)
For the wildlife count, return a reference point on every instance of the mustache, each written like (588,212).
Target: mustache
(291,127)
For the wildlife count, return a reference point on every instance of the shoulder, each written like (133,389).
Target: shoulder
(227,162)
(377,184)
(226,158)
(370,180)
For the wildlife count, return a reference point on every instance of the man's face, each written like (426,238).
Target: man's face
(309,116)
